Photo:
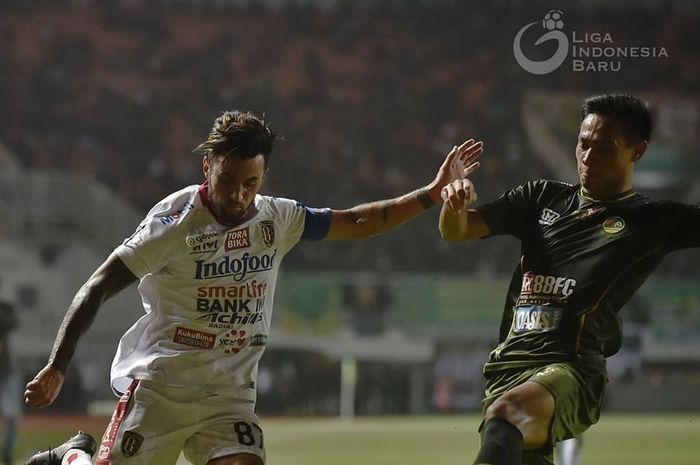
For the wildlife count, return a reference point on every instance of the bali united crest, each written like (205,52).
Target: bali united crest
(267,231)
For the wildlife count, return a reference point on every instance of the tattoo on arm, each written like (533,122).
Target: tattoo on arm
(104,283)
(424,198)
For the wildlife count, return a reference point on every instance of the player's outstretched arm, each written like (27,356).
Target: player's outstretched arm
(111,277)
(368,219)
(457,221)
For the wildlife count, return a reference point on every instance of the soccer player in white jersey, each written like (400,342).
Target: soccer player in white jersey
(206,258)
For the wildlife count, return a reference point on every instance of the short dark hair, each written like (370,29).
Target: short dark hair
(239,133)
(631,112)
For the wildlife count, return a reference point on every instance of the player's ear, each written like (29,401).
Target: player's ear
(205,166)
(638,150)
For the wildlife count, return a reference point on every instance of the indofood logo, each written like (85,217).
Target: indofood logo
(589,51)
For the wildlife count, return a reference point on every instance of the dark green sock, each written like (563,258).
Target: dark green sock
(501,444)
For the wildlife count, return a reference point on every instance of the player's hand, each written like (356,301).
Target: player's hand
(459,163)
(44,388)
(458,195)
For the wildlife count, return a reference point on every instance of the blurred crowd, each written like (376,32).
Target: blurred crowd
(369,97)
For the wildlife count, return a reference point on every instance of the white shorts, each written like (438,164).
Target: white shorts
(153,423)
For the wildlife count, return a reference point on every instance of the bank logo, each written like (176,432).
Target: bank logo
(613,225)
(553,24)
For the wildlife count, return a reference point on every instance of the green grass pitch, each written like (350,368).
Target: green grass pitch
(409,440)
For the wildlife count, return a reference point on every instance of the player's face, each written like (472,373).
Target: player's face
(604,157)
(233,184)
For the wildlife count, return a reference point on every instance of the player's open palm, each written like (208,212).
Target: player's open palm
(460,162)
(44,388)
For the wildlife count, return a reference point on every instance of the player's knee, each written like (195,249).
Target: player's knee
(237,459)
(506,408)
(523,410)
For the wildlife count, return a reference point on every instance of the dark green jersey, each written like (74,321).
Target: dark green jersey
(581,261)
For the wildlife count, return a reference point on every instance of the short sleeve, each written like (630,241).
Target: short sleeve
(509,213)
(145,251)
(151,246)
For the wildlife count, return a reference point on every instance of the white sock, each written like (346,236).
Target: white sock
(76,457)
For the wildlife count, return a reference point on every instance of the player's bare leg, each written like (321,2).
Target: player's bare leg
(516,421)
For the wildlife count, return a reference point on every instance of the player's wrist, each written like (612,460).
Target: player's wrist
(430,195)
(424,197)
(60,366)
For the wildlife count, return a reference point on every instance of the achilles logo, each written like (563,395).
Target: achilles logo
(548,217)
(228,320)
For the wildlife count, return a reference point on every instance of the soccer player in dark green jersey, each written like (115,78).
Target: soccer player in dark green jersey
(586,249)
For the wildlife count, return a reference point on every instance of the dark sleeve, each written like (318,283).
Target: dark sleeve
(510,213)
(317,222)
(678,225)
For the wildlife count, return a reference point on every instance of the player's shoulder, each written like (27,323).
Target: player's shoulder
(554,185)
(177,203)
(172,211)
(648,205)
(277,207)
(546,189)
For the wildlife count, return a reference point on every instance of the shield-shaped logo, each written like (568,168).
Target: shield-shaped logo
(131,443)
(548,217)
(267,230)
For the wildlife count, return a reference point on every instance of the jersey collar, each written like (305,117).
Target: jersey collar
(621,197)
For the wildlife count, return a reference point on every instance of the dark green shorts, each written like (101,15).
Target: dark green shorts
(578,390)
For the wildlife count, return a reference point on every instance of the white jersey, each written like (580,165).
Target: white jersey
(207,290)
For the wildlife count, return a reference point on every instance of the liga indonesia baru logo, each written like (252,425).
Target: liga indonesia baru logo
(594,51)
